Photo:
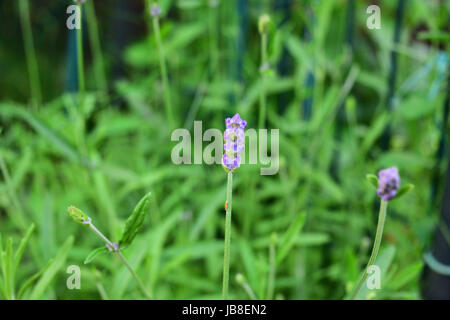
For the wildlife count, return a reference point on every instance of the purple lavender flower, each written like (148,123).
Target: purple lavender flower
(234,142)
(388,183)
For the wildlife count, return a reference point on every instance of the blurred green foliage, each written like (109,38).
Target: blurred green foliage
(106,154)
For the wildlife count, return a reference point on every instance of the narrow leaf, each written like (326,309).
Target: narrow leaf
(51,272)
(406,275)
(383,261)
(91,256)
(32,279)
(373,179)
(22,246)
(403,190)
(289,237)
(135,221)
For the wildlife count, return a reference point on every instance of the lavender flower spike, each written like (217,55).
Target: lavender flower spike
(234,142)
(388,183)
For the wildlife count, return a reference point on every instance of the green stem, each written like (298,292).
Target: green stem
(135,276)
(33,70)
(226,255)
(94,39)
(249,290)
(125,262)
(163,67)
(262,95)
(101,291)
(271,280)
(213,50)
(80,57)
(376,247)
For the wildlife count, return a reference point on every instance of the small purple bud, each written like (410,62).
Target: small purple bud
(388,183)
(155,10)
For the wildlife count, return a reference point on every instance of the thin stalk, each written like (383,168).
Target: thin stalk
(163,67)
(375,249)
(101,291)
(226,255)
(272,270)
(248,290)
(33,70)
(99,285)
(94,40)
(80,57)
(213,49)
(116,250)
(262,95)
(133,273)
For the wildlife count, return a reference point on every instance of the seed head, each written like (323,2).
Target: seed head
(234,142)
(388,183)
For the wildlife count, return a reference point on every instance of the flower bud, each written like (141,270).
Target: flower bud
(263,23)
(388,183)
(240,278)
(78,215)
(273,239)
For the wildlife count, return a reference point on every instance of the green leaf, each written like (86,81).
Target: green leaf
(373,179)
(8,272)
(2,285)
(406,275)
(403,190)
(60,144)
(22,246)
(289,237)
(91,256)
(32,279)
(134,222)
(383,261)
(1,252)
(51,272)
(375,131)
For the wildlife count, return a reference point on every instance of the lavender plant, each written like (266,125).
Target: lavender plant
(263,27)
(80,60)
(33,70)
(272,266)
(388,188)
(155,12)
(94,38)
(234,145)
(132,227)
(35,285)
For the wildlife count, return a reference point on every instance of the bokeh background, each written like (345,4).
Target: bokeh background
(347,100)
